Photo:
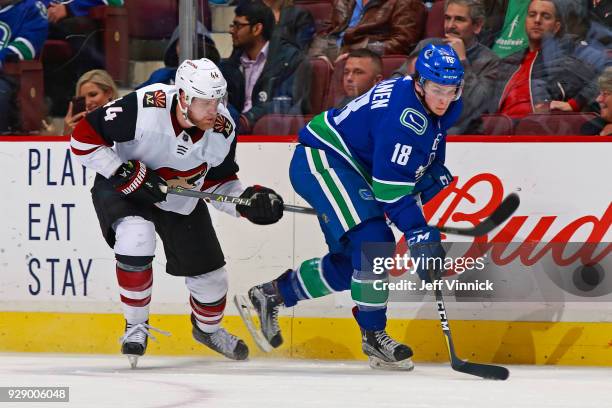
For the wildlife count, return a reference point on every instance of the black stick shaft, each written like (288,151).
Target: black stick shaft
(221,198)
(487,371)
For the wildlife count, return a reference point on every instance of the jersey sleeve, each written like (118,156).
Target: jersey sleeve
(396,163)
(26,43)
(93,137)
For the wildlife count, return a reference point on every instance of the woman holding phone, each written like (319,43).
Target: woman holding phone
(93,89)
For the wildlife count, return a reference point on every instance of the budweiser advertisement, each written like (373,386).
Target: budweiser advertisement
(555,247)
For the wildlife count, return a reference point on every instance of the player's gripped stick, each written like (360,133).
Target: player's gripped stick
(209,197)
(505,209)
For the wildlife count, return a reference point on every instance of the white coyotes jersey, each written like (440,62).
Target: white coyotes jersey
(143,126)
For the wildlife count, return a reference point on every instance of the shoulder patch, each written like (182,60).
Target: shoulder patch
(154,99)
(223,126)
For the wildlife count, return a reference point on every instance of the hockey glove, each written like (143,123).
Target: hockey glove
(426,251)
(433,181)
(138,182)
(266,205)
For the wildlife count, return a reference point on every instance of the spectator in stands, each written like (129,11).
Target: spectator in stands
(97,88)
(587,40)
(463,20)
(23,30)
(261,69)
(59,10)
(69,21)
(293,24)
(385,27)
(206,48)
(513,36)
(530,83)
(603,124)
(362,70)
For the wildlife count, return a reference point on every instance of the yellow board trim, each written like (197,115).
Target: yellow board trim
(563,343)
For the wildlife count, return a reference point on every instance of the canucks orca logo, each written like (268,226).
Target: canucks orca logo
(414,120)
(366,194)
(42,9)
(5,34)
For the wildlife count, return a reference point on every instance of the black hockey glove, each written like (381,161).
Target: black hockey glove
(138,182)
(266,205)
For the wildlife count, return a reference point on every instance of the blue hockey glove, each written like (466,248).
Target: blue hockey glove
(433,181)
(426,249)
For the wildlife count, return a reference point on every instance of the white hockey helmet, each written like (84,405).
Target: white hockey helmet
(199,79)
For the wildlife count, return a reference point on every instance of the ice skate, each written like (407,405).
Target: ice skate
(134,341)
(384,352)
(265,300)
(221,341)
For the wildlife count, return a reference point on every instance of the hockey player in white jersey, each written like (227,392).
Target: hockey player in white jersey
(158,136)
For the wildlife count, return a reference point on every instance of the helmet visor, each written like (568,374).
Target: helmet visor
(445,92)
(203,109)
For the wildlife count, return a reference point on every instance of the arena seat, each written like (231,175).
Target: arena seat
(335,92)
(391,63)
(29,75)
(321,12)
(278,124)
(553,123)
(114,21)
(152,19)
(319,85)
(435,20)
(497,124)
(151,22)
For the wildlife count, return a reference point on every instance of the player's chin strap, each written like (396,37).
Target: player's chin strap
(184,111)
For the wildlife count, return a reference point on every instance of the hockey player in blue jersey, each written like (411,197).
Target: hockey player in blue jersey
(23,29)
(382,154)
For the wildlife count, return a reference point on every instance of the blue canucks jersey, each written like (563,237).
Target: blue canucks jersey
(390,139)
(23,29)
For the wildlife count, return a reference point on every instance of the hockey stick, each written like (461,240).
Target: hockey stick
(221,198)
(487,371)
(505,209)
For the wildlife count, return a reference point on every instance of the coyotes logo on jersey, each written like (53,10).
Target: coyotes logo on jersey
(185,179)
(154,99)
(223,126)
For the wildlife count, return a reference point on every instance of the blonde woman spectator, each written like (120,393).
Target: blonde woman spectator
(602,125)
(93,89)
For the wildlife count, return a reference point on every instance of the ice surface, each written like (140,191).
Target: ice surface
(165,382)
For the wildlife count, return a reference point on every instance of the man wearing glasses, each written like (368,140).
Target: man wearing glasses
(260,69)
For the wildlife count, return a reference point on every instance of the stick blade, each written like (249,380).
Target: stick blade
(505,209)
(487,371)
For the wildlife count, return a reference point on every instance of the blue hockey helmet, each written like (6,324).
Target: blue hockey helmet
(439,64)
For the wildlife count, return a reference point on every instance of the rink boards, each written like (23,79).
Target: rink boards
(57,274)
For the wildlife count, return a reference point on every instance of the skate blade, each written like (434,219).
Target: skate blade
(403,365)
(244,306)
(133,359)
